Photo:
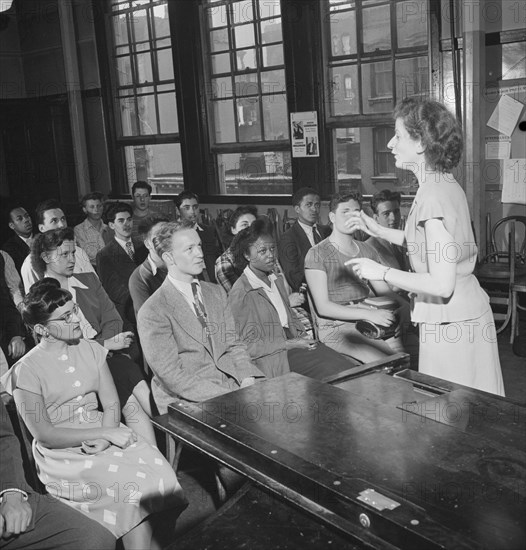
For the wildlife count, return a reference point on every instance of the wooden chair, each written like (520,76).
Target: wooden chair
(517,288)
(502,265)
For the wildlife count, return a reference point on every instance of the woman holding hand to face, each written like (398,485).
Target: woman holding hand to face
(457,331)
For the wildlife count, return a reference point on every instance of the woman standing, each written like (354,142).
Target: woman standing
(457,332)
(84,456)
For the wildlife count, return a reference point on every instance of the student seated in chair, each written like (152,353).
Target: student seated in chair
(187,329)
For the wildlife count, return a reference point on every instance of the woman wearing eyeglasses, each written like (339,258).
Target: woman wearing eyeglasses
(84,456)
(53,255)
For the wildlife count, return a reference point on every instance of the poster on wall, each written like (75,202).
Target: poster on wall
(304,132)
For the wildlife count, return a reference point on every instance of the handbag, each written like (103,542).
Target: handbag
(373,330)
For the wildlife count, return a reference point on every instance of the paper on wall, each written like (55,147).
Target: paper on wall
(498,147)
(514,181)
(506,115)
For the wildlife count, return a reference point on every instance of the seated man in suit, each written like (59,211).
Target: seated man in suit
(92,235)
(19,243)
(118,259)
(187,328)
(386,211)
(150,275)
(31,520)
(50,215)
(305,233)
(188,206)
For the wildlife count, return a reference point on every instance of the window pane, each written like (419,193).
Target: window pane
(348,160)
(506,61)
(246,59)
(221,63)
(248,119)
(275,116)
(343,33)
(272,55)
(273,81)
(343,96)
(139,25)
(247,84)
(160,21)
(217,16)
(269,8)
(168,113)
(377,86)
(166,66)
(147,114)
(412,77)
(411,23)
(242,11)
(244,36)
(224,121)
(120,30)
(124,74)
(159,165)
(144,68)
(265,173)
(221,87)
(376,29)
(271,31)
(219,40)
(128,113)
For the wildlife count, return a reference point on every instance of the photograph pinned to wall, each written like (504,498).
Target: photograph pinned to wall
(304,132)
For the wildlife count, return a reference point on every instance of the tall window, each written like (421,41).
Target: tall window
(377,54)
(147,125)
(246,93)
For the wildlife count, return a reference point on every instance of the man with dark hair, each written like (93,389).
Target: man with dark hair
(141,195)
(50,215)
(187,204)
(92,234)
(150,275)
(386,211)
(31,520)
(225,270)
(18,244)
(187,328)
(305,233)
(119,258)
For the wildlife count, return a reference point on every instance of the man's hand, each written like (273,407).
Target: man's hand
(122,340)
(17,347)
(15,514)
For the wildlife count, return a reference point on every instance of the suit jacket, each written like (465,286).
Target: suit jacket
(211,250)
(143,283)
(292,248)
(185,364)
(10,319)
(17,249)
(260,326)
(115,267)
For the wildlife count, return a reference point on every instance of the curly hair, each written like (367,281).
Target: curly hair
(439,131)
(340,198)
(245,239)
(45,242)
(43,298)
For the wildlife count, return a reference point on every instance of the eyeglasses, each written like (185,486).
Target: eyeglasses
(67,317)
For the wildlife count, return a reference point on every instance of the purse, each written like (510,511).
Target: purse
(373,330)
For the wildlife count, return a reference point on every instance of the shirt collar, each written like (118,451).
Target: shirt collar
(309,229)
(255,281)
(74,282)
(152,265)
(122,243)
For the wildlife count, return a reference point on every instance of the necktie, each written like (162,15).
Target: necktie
(200,310)
(316,235)
(129,250)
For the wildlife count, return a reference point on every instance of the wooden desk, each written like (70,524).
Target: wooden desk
(404,461)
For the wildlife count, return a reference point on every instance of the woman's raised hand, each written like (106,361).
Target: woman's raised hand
(360,220)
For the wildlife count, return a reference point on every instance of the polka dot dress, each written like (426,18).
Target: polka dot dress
(116,487)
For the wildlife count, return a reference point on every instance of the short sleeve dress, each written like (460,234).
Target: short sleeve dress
(345,288)
(116,487)
(457,335)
